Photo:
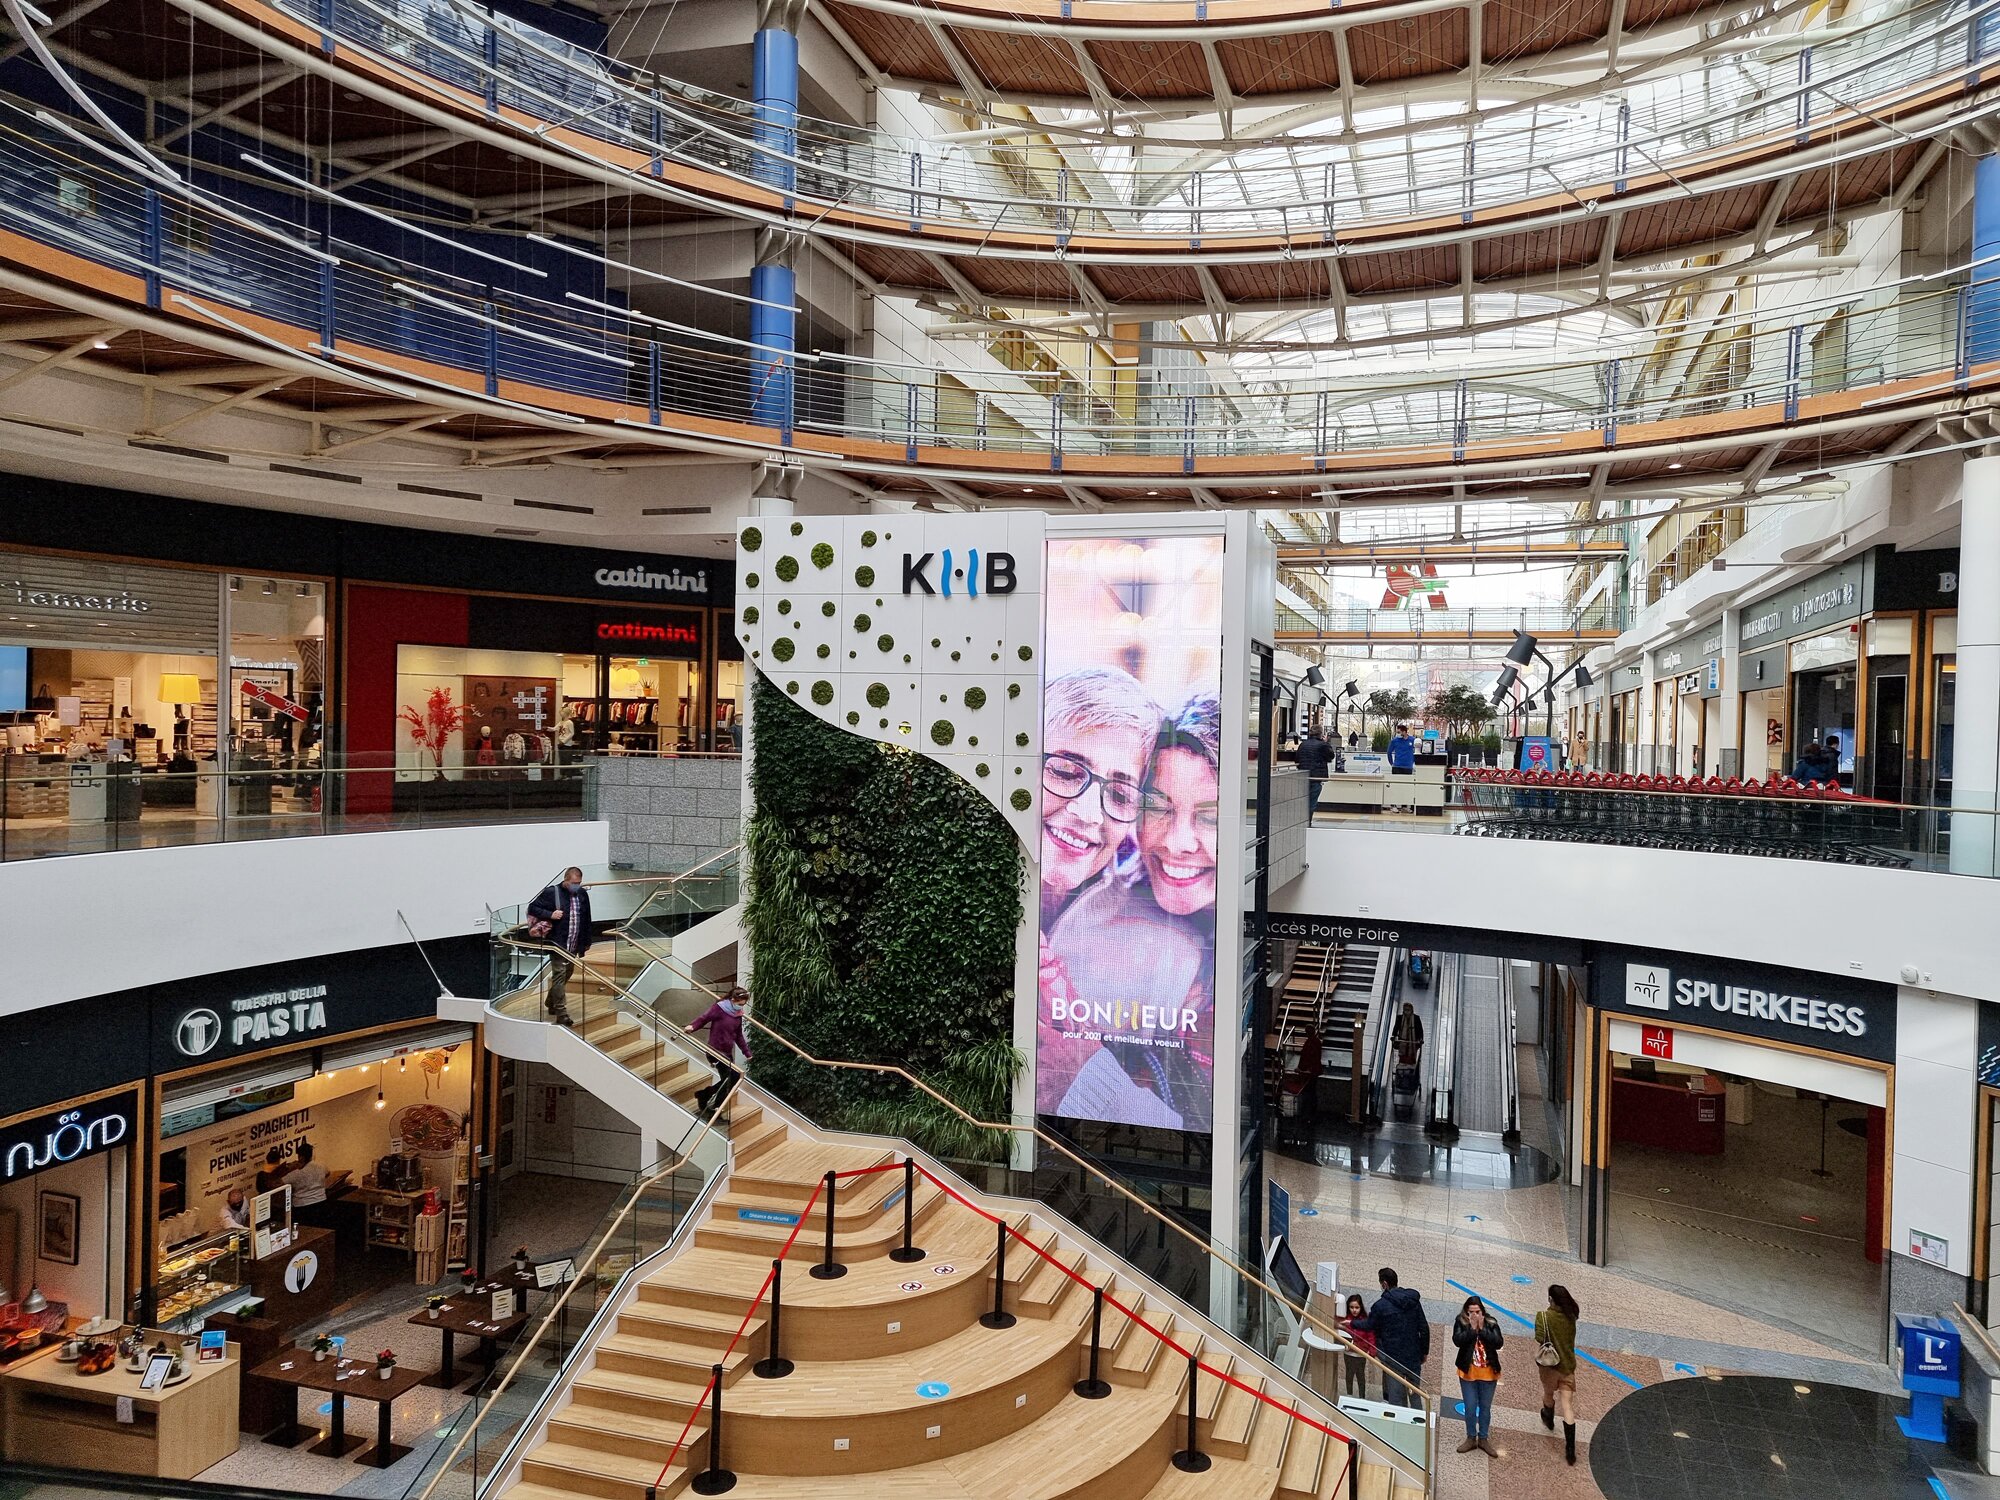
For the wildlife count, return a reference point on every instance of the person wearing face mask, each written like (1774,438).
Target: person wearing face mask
(560,917)
(727,1025)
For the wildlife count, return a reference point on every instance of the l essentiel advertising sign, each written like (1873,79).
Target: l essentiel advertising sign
(1131,753)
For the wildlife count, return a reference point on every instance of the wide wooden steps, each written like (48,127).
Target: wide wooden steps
(898,1389)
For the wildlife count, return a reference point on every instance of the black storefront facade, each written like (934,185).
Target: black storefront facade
(380,586)
(114,1106)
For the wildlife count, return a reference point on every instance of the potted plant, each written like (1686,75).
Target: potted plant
(322,1346)
(434,1303)
(385,1363)
(467,1279)
(433,728)
(521,1260)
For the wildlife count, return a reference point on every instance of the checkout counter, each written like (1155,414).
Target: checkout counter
(59,1410)
(1671,1112)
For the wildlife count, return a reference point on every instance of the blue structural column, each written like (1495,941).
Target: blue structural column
(1982,297)
(773,329)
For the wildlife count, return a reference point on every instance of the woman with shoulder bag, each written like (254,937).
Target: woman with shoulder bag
(1555,1362)
(1478,1338)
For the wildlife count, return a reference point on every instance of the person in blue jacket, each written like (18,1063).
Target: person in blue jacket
(1402,1338)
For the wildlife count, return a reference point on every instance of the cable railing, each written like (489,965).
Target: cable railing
(645,976)
(1775,90)
(565,360)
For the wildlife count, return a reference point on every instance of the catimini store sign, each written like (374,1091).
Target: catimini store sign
(653,581)
(1822,1011)
(66,1135)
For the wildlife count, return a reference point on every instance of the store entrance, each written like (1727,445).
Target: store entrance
(1753,1178)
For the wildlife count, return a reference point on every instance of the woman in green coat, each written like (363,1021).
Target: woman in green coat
(1555,1330)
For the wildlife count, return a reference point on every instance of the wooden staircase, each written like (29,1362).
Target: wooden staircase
(899,1390)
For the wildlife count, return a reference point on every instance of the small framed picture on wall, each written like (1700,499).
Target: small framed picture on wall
(59,1217)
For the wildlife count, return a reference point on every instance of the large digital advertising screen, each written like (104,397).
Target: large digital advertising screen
(1131,752)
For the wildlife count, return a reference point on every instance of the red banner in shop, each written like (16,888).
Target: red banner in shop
(276,702)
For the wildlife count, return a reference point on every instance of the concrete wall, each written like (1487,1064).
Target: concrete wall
(94,924)
(669,812)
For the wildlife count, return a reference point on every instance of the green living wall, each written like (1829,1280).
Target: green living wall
(884,899)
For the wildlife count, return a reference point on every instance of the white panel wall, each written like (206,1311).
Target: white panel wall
(1937,1091)
(1807,915)
(91,924)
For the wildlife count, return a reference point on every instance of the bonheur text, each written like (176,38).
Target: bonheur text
(1121,1015)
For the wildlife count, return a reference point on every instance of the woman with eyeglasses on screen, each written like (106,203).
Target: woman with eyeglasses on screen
(1099,727)
(1148,938)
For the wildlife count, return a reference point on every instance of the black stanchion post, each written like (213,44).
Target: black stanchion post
(1094,1389)
(826,1270)
(716,1480)
(1191,1460)
(906,1252)
(1353,1471)
(773,1366)
(999,1317)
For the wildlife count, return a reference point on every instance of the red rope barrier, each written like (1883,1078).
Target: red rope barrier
(1292,1412)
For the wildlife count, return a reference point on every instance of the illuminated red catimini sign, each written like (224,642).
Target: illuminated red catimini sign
(632,630)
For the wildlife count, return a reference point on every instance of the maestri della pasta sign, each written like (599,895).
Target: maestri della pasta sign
(1131,750)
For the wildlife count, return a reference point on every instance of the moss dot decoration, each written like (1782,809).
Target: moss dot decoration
(826,608)
(885,643)
(864,623)
(783,647)
(824,652)
(798,528)
(906,658)
(822,555)
(1021,739)
(864,578)
(944,697)
(935,643)
(878,603)
(788,569)
(1021,801)
(983,769)
(750,615)
(784,606)
(822,692)
(1013,690)
(942,732)
(996,656)
(867,538)
(752,538)
(975,698)
(853,718)
(972,740)
(751,580)
(1026,653)
(792,688)
(852,654)
(954,656)
(882,723)
(878,695)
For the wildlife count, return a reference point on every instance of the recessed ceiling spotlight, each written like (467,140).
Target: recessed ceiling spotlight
(1152,492)
(1675,464)
(1027,489)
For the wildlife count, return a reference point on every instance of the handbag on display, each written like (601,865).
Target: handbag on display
(44,701)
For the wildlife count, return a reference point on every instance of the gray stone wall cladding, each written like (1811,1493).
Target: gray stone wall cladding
(669,812)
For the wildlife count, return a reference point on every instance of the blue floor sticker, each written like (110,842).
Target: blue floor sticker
(1308,1213)
(1680,1369)
(767,1216)
(1523,1280)
(931,1390)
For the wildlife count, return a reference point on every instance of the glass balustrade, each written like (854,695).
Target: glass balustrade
(51,193)
(1774,88)
(53,804)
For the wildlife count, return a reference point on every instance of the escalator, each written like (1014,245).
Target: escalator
(1474,1079)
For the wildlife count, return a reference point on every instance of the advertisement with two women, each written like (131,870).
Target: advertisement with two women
(1131,750)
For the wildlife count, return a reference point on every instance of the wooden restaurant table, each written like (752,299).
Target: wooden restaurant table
(471,1314)
(297,1368)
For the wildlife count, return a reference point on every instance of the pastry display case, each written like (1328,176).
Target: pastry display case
(201,1277)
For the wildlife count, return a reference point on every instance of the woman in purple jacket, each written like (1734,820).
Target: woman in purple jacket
(728,1042)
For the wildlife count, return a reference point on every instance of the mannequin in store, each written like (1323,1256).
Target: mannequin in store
(485,754)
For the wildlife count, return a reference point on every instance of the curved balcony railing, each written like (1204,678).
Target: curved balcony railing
(1742,111)
(578,360)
